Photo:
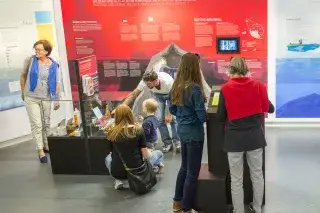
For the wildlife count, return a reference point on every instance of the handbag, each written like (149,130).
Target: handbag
(142,179)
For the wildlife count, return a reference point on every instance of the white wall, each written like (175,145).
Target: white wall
(14,123)
(275,17)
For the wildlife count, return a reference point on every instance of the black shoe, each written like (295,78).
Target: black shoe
(43,159)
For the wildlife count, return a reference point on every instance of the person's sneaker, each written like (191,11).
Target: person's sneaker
(191,211)
(176,206)
(126,184)
(118,184)
(161,167)
(156,169)
(178,147)
(167,148)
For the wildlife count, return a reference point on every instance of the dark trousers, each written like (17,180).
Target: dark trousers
(191,153)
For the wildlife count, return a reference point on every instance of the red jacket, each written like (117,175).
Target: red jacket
(244,97)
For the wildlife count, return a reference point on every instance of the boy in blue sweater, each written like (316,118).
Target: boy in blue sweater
(150,126)
(150,122)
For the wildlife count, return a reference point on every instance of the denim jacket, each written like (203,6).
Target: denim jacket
(191,115)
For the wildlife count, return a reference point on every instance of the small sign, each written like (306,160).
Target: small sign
(215,99)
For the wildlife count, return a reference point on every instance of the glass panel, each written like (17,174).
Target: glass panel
(62,118)
(98,116)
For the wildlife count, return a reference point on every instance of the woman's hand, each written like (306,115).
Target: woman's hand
(56,105)
(168,118)
(146,153)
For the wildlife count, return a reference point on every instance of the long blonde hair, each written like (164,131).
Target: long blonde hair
(124,124)
(189,73)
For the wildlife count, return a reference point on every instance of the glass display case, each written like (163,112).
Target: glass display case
(77,138)
(98,116)
(64,117)
(66,137)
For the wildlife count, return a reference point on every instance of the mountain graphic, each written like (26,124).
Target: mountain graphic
(304,107)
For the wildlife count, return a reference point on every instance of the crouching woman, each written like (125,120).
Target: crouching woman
(127,138)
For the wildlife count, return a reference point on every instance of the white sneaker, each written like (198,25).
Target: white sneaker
(192,211)
(118,184)
(126,184)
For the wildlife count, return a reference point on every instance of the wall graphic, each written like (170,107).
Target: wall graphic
(126,36)
(18,32)
(298,59)
(45,26)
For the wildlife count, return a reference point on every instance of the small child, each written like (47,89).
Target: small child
(150,126)
(150,122)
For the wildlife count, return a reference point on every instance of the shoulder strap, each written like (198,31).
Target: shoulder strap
(124,164)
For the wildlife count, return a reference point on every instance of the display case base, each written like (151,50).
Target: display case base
(99,148)
(68,155)
(211,192)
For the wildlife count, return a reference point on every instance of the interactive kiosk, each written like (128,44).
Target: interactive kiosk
(214,184)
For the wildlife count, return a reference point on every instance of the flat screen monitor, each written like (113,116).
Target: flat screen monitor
(227,45)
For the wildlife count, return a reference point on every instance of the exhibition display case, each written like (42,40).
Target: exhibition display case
(98,118)
(77,139)
(67,144)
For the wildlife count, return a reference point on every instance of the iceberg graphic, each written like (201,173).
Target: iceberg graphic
(304,107)
(300,47)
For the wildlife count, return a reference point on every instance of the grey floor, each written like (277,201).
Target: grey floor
(293,174)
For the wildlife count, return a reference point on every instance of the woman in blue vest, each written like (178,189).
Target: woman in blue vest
(39,86)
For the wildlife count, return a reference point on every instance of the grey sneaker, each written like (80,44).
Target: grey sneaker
(178,148)
(251,207)
(167,148)
(118,184)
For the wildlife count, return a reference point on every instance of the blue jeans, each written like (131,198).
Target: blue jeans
(161,115)
(191,153)
(155,159)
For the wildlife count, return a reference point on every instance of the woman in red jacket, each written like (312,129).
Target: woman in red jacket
(242,103)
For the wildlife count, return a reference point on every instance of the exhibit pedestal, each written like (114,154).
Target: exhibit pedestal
(211,192)
(71,155)
(217,158)
(99,148)
(68,155)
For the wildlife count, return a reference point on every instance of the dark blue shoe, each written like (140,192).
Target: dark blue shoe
(43,159)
